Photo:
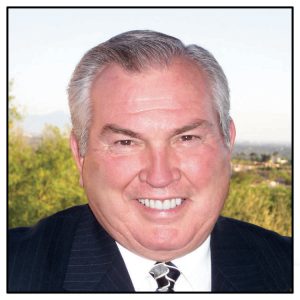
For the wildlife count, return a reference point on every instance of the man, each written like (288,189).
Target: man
(152,139)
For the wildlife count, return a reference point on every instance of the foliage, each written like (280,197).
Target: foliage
(42,178)
(262,197)
(13,114)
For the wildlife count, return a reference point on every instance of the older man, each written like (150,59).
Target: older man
(152,139)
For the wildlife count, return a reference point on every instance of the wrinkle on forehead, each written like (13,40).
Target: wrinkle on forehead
(180,86)
(143,104)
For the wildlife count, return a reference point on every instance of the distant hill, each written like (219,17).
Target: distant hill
(34,124)
(283,150)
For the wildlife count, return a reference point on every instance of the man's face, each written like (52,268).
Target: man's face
(156,171)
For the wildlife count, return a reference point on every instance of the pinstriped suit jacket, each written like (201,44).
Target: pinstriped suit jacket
(70,251)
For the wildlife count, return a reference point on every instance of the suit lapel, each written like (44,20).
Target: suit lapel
(116,278)
(95,264)
(235,264)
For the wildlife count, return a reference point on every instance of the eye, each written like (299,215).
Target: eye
(125,147)
(124,143)
(187,138)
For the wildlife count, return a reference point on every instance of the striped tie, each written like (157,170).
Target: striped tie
(165,275)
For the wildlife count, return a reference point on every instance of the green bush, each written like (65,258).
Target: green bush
(42,178)
(252,198)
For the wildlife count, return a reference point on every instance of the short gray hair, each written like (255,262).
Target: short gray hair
(135,51)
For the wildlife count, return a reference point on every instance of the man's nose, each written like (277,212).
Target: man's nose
(161,169)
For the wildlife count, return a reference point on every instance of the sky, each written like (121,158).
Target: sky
(253,46)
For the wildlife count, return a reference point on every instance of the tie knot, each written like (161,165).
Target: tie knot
(165,274)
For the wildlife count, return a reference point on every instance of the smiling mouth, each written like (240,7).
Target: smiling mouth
(162,204)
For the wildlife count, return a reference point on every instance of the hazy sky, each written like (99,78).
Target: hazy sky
(252,45)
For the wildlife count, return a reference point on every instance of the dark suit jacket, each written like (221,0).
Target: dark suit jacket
(70,251)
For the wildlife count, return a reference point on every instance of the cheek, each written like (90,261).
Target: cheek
(113,172)
(200,166)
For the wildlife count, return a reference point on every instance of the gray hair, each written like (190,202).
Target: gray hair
(135,51)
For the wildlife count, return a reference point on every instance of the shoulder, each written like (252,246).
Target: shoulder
(251,234)
(251,249)
(57,220)
(37,255)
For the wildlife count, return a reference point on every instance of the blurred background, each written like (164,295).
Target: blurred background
(252,45)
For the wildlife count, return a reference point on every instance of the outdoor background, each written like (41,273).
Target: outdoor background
(252,45)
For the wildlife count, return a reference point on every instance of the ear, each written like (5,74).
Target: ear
(76,155)
(232,133)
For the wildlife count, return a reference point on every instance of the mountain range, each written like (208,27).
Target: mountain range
(34,124)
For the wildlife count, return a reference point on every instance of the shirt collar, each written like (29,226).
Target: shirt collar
(195,268)
(138,268)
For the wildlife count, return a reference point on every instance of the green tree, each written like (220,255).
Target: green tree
(46,180)
(19,162)
(265,157)
(13,114)
(253,156)
(42,177)
(252,199)
(20,165)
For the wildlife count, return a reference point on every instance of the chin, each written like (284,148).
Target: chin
(167,240)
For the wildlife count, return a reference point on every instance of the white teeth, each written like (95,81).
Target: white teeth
(167,204)
(151,204)
(158,204)
(178,201)
(161,205)
(173,202)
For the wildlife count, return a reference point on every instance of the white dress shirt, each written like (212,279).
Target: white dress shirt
(195,268)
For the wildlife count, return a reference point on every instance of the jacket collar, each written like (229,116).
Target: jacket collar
(97,250)
(235,263)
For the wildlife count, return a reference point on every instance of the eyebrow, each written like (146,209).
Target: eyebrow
(117,129)
(193,125)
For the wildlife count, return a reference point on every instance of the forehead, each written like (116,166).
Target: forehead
(180,85)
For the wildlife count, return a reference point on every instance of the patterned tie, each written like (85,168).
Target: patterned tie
(165,275)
